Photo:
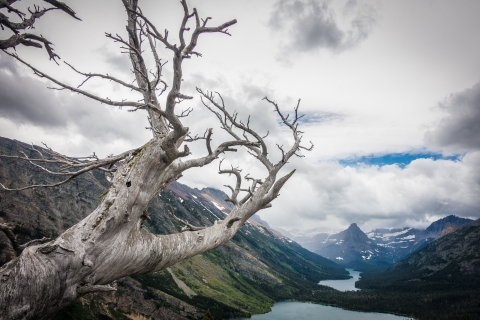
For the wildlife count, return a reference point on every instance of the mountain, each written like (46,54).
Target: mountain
(352,248)
(379,247)
(245,276)
(452,259)
(440,281)
(436,228)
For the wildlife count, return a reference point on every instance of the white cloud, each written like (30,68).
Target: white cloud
(328,195)
(376,99)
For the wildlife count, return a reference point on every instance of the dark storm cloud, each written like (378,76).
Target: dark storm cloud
(25,100)
(459,130)
(309,25)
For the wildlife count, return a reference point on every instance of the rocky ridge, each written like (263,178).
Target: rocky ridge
(377,248)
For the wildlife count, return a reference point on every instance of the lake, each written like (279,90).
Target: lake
(343,285)
(289,310)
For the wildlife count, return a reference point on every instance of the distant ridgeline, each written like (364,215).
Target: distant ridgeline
(379,248)
(259,266)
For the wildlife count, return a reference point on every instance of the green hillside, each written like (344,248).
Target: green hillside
(241,278)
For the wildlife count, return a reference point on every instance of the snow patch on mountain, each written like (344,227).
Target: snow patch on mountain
(219,207)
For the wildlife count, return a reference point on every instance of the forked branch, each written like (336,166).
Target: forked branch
(235,191)
(268,188)
(229,123)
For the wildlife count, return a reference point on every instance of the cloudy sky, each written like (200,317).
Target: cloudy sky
(390,90)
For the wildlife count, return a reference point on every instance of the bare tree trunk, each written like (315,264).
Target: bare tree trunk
(106,245)
(110,242)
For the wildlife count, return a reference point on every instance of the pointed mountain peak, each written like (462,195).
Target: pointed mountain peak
(353,226)
(355,233)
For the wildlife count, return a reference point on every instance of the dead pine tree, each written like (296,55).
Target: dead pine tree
(110,242)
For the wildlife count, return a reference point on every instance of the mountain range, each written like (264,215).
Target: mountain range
(246,276)
(377,248)
(440,281)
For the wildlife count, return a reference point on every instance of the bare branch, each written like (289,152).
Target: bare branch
(103,76)
(274,191)
(26,23)
(236,190)
(156,34)
(209,141)
(183,27)
(229,121)
(29,39)
(157,78)
(62,6)
(70,163)
(293,126)
(188,226)
(251,190)
(225,146)
(203,29)
(82,92)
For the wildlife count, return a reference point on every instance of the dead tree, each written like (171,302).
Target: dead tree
(110,242)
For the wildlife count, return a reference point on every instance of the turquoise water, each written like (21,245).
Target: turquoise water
(289,310)
(343,285)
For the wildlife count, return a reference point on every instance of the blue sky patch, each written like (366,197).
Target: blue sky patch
(317,117)
(400,159)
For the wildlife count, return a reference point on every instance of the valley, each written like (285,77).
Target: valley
(423,274)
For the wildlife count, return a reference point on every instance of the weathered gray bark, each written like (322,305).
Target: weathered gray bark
(110,242)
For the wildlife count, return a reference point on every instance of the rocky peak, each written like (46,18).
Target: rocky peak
(436,228)
(355,234)
(449,228)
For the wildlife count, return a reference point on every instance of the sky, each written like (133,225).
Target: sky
(390,91)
